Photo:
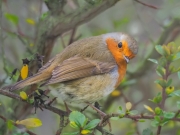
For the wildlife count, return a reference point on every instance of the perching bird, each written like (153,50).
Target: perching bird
(86,70)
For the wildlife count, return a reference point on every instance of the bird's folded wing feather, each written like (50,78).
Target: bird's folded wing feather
(77,67)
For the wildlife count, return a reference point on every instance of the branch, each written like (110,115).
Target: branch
(17,97)
(147,5)
(55,25)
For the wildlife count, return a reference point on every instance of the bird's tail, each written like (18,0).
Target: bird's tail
(30,80)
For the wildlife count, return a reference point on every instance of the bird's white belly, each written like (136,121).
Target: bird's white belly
(89,89)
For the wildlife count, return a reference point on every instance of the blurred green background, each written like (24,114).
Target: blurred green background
(147,25)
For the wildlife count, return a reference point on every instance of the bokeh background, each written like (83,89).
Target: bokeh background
(150,26)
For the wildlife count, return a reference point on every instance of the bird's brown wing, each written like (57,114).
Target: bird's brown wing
(77,67)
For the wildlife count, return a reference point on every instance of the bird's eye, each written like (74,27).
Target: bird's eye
(120,45)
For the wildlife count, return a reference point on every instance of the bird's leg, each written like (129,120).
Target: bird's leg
(102,114)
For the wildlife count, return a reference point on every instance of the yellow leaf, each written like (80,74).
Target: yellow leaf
(30,122)
(30,21)
(85,131)
(128,105)
(149,108)
(73,124)
(169,90)
(31,44)
(24,71)
(115,93)
(23,95)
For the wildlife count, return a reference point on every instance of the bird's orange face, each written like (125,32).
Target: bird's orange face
(120,49)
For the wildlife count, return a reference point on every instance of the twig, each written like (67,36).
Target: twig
(17,97)
(72,36)
(27,131)
(159,130)
(147,5)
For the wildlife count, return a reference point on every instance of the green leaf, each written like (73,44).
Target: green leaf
(133,112)
(160,71)
(141,120)
(160,50)
(154,123)
(147,132)
(176,57)
(73,133)
(157,99)
(175,93)
(12,18)
(169,83)
(178,104)
(153,60)
(163,123)
(78,118)
(168,115)
(178,74)
(10,125)
(161,82)
(157,111)
(92,124)
(120,108)
(157,118)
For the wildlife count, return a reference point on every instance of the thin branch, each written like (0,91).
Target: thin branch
(147,5)
(72,36)
(159,130)
(27,131)
(17,97)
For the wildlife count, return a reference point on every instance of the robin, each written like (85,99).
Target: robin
(88,69)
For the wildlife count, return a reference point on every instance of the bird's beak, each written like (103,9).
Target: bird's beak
(126,58)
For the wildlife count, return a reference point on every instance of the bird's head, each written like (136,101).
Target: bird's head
(122,46)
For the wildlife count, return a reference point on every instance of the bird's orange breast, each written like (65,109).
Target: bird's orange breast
(118,56)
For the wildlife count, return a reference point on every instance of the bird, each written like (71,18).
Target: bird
(86,70)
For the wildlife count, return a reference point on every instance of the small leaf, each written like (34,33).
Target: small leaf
(169,82)
(30,21)
(73,124)
(128,106)
(149,108)
(73,133)
(157,111)
(168,115)
(10,124)
(154,123)
(120,108)
(84,132)
(147,132)
(133,112)
(92,124)
(157,118)
(175,93)
(23,95)
(153,60)
(12,18)
(30,122)
(162,83)
(141,120)
(160,50)
(178,104)
(78,118)
(160,71)
(176,57)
